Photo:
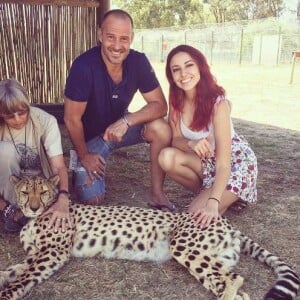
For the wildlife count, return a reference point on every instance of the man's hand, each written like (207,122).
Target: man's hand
(94,164)
(115,131)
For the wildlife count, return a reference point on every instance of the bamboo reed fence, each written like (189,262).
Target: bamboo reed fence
(40,39)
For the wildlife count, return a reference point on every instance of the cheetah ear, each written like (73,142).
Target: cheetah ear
(14,179)
(54,180)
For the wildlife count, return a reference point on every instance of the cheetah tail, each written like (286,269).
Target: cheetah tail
(287,283)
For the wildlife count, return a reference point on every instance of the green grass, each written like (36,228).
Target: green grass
(260,94)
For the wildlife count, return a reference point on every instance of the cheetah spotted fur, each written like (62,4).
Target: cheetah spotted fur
(136,234)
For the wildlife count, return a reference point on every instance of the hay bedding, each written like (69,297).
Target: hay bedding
(274,222)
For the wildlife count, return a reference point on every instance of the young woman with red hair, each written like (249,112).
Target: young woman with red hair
(207,156)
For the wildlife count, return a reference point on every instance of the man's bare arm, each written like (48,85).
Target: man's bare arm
(72,117)
(155,108)
(92,162)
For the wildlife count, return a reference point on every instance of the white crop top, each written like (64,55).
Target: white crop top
(197,135)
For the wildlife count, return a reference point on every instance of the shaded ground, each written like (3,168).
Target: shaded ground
(274,222)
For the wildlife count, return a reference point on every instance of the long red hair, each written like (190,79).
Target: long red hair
(207,89)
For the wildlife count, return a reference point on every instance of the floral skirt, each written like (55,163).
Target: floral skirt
(242,181)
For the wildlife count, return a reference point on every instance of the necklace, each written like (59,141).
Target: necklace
(25,150)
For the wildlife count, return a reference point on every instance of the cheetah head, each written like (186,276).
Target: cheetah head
(34,193)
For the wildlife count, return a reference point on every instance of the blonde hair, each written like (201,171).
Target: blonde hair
(13,97)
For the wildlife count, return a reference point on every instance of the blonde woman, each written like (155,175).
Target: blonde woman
(30,144)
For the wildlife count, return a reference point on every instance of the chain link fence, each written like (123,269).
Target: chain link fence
(265,41)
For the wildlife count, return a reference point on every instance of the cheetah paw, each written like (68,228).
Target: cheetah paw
(243,296)
(3,279)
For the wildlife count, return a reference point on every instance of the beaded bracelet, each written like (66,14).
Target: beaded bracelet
(8,210)
(214,199)
(125,121)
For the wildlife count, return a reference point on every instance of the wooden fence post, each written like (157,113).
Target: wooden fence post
(278,46)
(104,6)
(162,49)
(241,46)
(211,47)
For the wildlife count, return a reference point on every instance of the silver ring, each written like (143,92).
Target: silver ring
(58,219)
(95,172)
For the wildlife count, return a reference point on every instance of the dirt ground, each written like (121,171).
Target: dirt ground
(274,221)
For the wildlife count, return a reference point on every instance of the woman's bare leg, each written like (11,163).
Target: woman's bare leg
(158,134)
(183,167)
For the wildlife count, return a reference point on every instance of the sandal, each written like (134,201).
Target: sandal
(11,225)
(239,205)
(163,207)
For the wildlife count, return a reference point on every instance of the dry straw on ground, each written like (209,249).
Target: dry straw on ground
(274,222)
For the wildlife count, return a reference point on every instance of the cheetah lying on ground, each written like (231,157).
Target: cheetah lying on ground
(137,234)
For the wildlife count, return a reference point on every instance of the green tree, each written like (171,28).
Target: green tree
(166,13)
(163,13)
(263,9)
(229,10)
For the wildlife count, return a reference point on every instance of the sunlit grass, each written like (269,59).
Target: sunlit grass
(260,94)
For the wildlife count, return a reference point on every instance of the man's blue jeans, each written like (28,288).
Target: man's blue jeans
(134,135)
